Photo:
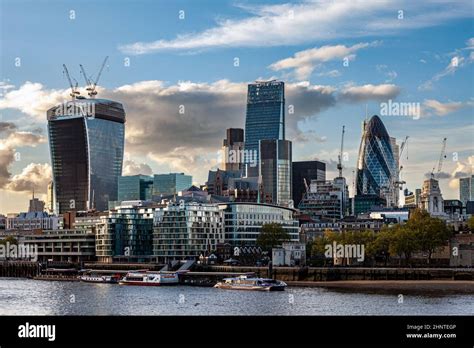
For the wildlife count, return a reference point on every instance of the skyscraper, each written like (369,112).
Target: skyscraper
(376,166)
(309,170)
(233,147)
(171,184)
(265,118)
(86,140)
(466,189)
(275,170)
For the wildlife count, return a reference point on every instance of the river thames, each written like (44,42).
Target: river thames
(35,297)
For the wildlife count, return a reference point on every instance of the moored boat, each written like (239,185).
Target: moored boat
(150,279)
(99,278)
(246,283)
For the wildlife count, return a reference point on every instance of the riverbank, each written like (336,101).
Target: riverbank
(437,287)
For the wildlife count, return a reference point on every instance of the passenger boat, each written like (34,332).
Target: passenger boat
(150,279)
(94,278)
(246,283)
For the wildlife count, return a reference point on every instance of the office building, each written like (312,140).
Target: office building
(305,170)
(265,119)
(377,167)
(325,199)
(86,141)
(275,170)
(32,221)
(244,221)
(366,203)
(135,188)
(466,189)
(35,205)
(233,150)
(171,184)
(187,230)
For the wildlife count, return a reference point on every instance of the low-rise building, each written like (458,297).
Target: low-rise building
(63,245)
(290,254)
(32,221)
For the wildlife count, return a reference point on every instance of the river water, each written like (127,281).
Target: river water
(35,297)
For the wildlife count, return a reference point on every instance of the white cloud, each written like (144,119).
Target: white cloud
(370,92)
(34,176)
(462,167)
(441,109)
(130,167)
(309,21)
(304,62)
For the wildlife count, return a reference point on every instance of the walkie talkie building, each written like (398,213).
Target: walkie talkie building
(86,140)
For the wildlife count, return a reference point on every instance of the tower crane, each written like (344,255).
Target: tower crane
(442,156)
(339,164)
(74,92)
(92,85)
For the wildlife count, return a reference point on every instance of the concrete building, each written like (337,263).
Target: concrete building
(35,205)
(63,245)
(290,254)
(316,229)
(305,170)
(431,198)
(233,150)
(325,199)
(32,221)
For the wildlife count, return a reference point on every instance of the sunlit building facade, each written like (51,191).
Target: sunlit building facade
(86,140)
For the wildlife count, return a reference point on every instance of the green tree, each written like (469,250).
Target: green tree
(10,239)
(381,244)
(470,223)
(272,235)
(403,242)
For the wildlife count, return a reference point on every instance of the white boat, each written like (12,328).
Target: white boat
(150,279)
(246,283)
(92,278)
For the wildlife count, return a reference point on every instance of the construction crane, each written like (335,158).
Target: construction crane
(339,164)
(92,85)
(442,156)
(402,147)
(74,92)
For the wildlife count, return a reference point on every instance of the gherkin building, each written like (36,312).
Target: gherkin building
(376,165)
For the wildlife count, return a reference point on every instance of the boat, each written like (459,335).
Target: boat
(150,279)
(92,278)
(250,283)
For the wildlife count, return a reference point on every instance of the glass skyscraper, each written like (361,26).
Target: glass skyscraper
(86,140)
(466,189)
(135,187)
(376,166)
(275,170)
(265,118)
(171,184)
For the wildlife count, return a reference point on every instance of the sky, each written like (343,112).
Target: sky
(340,61)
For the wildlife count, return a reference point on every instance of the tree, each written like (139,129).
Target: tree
(403,242)
(431,233)
(12,240)
(470,223)
(381,244)
(272,235)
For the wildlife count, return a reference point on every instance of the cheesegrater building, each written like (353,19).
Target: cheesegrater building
(86,141)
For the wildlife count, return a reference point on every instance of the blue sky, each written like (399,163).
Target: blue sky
(190,61)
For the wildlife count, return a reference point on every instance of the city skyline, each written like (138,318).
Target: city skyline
(324,89)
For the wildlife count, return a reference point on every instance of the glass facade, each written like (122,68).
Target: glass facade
(265,118)
(86,154)
(135,187)
(376,167)
(243,222)
(466,189)
(309,170)
(275,170)
(170,184)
